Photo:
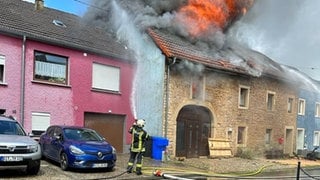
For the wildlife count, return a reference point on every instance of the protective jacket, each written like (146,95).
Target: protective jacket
(139,138)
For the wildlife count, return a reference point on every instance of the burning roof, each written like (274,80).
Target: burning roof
(191,30)
(235,59)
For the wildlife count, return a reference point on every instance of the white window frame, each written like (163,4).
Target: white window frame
(268,136)
(290,105)
(300,138)
(317,109)
(2,63)
(53,69)
(316,138)
(243,100)
(40,121)
(105,77)
(301,106)
(273,100)
(243,141)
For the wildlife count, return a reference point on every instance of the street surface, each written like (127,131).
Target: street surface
(52,171)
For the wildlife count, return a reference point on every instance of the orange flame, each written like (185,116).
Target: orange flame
(201,16)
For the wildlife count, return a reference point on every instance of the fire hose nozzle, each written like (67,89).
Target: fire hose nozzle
(158,173)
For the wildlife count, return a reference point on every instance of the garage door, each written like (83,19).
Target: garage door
(109,126)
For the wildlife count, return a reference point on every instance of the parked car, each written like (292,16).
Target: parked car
(17,148)
(77,147)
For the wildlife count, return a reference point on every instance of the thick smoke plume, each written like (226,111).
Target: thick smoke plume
(233,36)
(286,31)
(177,16)
(202,28)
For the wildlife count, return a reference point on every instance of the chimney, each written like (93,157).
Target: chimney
(38,4)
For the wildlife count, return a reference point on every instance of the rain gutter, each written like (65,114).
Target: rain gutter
(167,97)
(22,89)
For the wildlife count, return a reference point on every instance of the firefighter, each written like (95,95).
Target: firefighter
(137,147)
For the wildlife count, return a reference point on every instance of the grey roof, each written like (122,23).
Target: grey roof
(19,18)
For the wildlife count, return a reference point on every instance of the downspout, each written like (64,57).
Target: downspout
(167,98)
(23,69)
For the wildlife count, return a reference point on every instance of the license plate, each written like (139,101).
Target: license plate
(11,158)
(100,165)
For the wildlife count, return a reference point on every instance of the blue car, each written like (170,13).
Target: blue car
(77,147)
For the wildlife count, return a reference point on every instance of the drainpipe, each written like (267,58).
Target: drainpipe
(167,97)
(23,69)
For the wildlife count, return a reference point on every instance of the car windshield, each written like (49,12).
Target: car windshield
(11,128)
(82,135)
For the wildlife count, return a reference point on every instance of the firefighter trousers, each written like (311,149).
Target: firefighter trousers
(138,157)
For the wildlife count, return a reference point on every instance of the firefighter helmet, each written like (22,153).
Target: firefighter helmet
(140,122)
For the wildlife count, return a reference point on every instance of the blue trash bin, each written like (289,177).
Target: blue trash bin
(159,144)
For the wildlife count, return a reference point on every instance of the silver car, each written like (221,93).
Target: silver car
(17,148)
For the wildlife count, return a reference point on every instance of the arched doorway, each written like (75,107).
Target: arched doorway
(193,131)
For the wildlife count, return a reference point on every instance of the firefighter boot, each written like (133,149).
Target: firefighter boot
(138,171)
(129,169)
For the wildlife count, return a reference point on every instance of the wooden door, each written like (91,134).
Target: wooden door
(192,139)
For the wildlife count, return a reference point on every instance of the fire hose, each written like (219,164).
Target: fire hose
(158,173)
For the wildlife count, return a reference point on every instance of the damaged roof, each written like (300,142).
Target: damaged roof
(231,59)
(19,18)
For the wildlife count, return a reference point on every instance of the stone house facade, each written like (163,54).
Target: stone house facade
(221,97)
(224,103)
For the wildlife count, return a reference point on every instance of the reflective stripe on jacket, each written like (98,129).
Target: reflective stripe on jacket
(139,137)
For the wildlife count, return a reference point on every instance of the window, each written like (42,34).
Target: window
(301,106)
(197,87)
(244,97)
(290,105)
(317,110)
(241,135)
(40,122)
(316,138)
(270,100)
(268,136)
(2,63)
(300,138)
(50,68)
(105,77)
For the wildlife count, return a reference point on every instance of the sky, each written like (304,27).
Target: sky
(77,7)
(286,31)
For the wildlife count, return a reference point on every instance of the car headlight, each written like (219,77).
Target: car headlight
(75,150)
(113,150)
(33,148)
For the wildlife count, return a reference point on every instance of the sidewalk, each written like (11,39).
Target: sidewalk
(223,166)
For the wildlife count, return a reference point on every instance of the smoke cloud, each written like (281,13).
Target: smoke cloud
(290,42)
(286,31)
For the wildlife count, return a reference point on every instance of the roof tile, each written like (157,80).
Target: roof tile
(20,18)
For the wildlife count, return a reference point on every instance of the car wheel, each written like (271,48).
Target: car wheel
(43,157)
(33,167)
(64,161)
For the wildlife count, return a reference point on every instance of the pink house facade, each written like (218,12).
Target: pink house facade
(51,76)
